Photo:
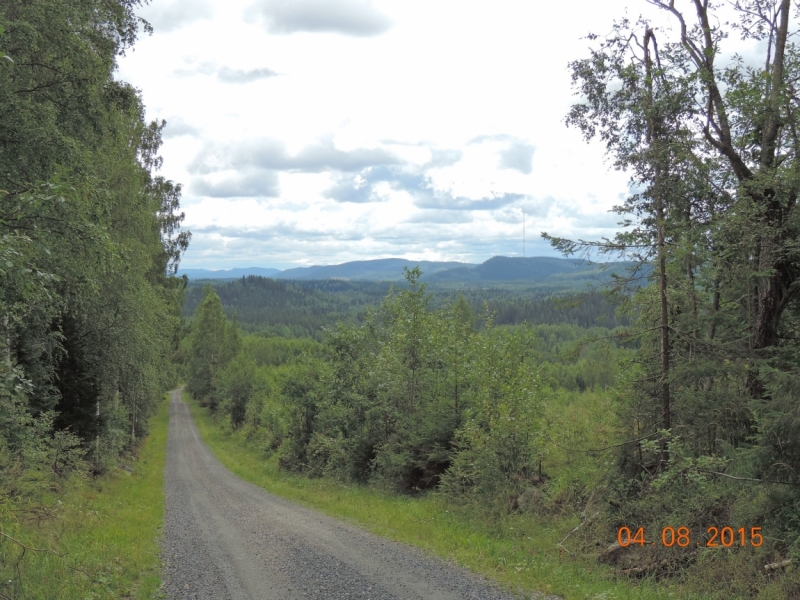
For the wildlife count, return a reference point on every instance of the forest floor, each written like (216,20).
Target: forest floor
(227,539)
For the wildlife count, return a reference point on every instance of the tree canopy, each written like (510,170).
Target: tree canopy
(711,143)
(89,232)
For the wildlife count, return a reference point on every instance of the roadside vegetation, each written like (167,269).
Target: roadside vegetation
(519,550)
(77,536)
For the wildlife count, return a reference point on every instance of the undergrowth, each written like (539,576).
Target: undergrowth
(521,551)
(90,538)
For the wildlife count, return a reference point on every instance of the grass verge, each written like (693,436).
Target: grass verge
(99,538)
(520,552)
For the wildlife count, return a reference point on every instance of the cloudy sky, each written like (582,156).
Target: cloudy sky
(323,131)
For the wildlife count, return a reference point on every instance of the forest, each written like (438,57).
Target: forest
(89,239)
(303,308)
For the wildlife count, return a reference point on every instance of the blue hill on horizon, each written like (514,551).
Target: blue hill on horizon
(496,269)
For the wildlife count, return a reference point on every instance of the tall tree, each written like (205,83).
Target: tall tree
(712,147)
(89,313)
(215,342)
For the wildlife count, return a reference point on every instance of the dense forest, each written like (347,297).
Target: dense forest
(304,308)
(89,238)
(389,398)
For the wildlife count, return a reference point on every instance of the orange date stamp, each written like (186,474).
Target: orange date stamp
(716,537)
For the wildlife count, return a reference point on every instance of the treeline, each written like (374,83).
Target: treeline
(89,234)
(412,398)
(305,308)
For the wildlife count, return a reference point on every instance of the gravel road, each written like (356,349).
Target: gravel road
(225,539)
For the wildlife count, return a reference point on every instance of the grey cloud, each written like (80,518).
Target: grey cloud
(361,188)
(259,184)
(279,231)
(533,207)
(177,127)
(449,202)
(324,155)
(517,155)
(416,183)
(444,157)
(441,217)
(272,154)
(350,190)
(176,14)
(348,17)
(228,75)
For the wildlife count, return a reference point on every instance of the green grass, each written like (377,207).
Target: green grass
(520,552)
(106,531)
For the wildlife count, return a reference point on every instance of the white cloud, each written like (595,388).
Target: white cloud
(269,153)
(349,17)
(169,16)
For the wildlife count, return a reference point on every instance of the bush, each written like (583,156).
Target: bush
(499,447)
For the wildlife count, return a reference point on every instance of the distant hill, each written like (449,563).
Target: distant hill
(384,269)
(535,269)
(559,272)
(229,274)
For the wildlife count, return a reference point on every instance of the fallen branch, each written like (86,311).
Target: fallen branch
(778,565)
(561,543)
(749,478)
(31,548)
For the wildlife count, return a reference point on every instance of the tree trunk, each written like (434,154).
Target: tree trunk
(658,189)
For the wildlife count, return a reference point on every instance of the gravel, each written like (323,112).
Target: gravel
(225,539)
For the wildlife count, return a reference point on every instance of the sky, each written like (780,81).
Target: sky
(308,132)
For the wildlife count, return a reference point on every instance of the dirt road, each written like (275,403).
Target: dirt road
(225,539)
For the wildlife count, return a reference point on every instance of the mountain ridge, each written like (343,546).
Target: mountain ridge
(497,268)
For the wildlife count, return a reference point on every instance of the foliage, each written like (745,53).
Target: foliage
(508,424)
(214,342)
(394,400)
(500,443)
(95,537)
(89,239)
(712,150)
(293,309)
